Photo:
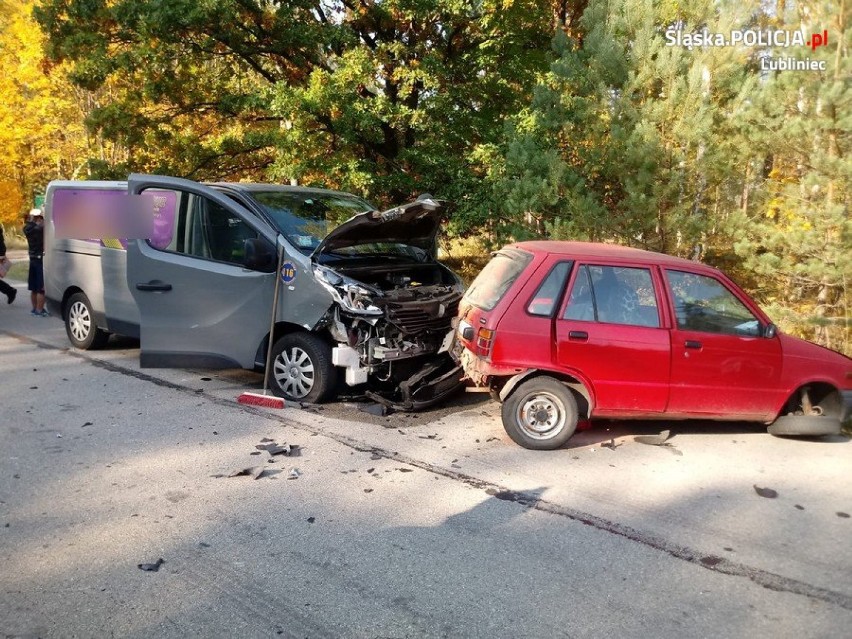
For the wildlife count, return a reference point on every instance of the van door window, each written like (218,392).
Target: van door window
(200,227)
(613,295)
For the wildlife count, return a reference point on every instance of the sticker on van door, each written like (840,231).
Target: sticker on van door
(288,272)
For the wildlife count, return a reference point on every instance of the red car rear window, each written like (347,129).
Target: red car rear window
(495,279)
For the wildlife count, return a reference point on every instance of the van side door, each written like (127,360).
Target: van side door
(200,303)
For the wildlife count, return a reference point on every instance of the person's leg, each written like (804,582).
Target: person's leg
(39,288)
(33,284)
(8,290)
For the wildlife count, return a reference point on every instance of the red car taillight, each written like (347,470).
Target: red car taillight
(484,341)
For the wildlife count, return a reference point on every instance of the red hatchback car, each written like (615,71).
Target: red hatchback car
(561,331)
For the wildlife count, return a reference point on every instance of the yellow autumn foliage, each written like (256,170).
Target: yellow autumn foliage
(41,124)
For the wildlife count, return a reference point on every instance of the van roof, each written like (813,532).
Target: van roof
(257,186)
(236,186)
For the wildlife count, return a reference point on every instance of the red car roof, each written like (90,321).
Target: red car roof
(607,252)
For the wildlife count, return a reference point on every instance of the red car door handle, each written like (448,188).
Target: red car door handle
(581,336)
(691,343)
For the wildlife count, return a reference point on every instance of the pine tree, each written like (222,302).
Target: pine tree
(627,137)
(797,232)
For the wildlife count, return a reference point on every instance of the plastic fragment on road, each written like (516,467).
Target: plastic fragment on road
(653,440)
(254,471)
(152,567)
(379,410)
(765,492)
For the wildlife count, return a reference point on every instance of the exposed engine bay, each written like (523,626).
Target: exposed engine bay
(394,325)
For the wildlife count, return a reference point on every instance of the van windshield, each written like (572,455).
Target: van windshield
(306,218)
(494,280)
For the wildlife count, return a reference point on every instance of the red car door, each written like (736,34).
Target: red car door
(612,335)
(722,366)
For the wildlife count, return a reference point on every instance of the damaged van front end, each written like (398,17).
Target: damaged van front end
(354,297)
(393,317)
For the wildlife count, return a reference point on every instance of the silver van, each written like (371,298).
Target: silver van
(363,299)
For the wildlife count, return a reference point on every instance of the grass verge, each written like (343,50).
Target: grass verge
(19,271)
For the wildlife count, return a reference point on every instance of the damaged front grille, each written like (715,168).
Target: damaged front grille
(412,318)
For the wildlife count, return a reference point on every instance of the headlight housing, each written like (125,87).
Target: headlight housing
(352,295)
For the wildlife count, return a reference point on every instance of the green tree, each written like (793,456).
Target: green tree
(386,98)
(796,233)
(627,138)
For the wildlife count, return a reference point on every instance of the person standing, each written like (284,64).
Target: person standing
(34,231)
(8,290)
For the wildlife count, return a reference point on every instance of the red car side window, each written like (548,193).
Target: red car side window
(704,304)
(550,292)
(614,295)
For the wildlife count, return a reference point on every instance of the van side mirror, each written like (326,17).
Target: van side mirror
(770,331)
(259,255)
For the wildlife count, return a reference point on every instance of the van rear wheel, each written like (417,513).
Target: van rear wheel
(301,368)
(80,325)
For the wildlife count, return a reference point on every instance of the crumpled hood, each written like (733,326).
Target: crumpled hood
(415,224)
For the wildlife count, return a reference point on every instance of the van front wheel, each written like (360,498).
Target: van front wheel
(301,368)
(80,325)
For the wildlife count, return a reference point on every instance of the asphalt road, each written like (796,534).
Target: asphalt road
(429,525)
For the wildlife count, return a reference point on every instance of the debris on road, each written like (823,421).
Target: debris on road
(254,471)
(656,440)
(288,450)
(842,515)
(295,473)
(311,520)
(653,440)
(311,408)
(610,444)
(379,410)
(765,492)
(152,567)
